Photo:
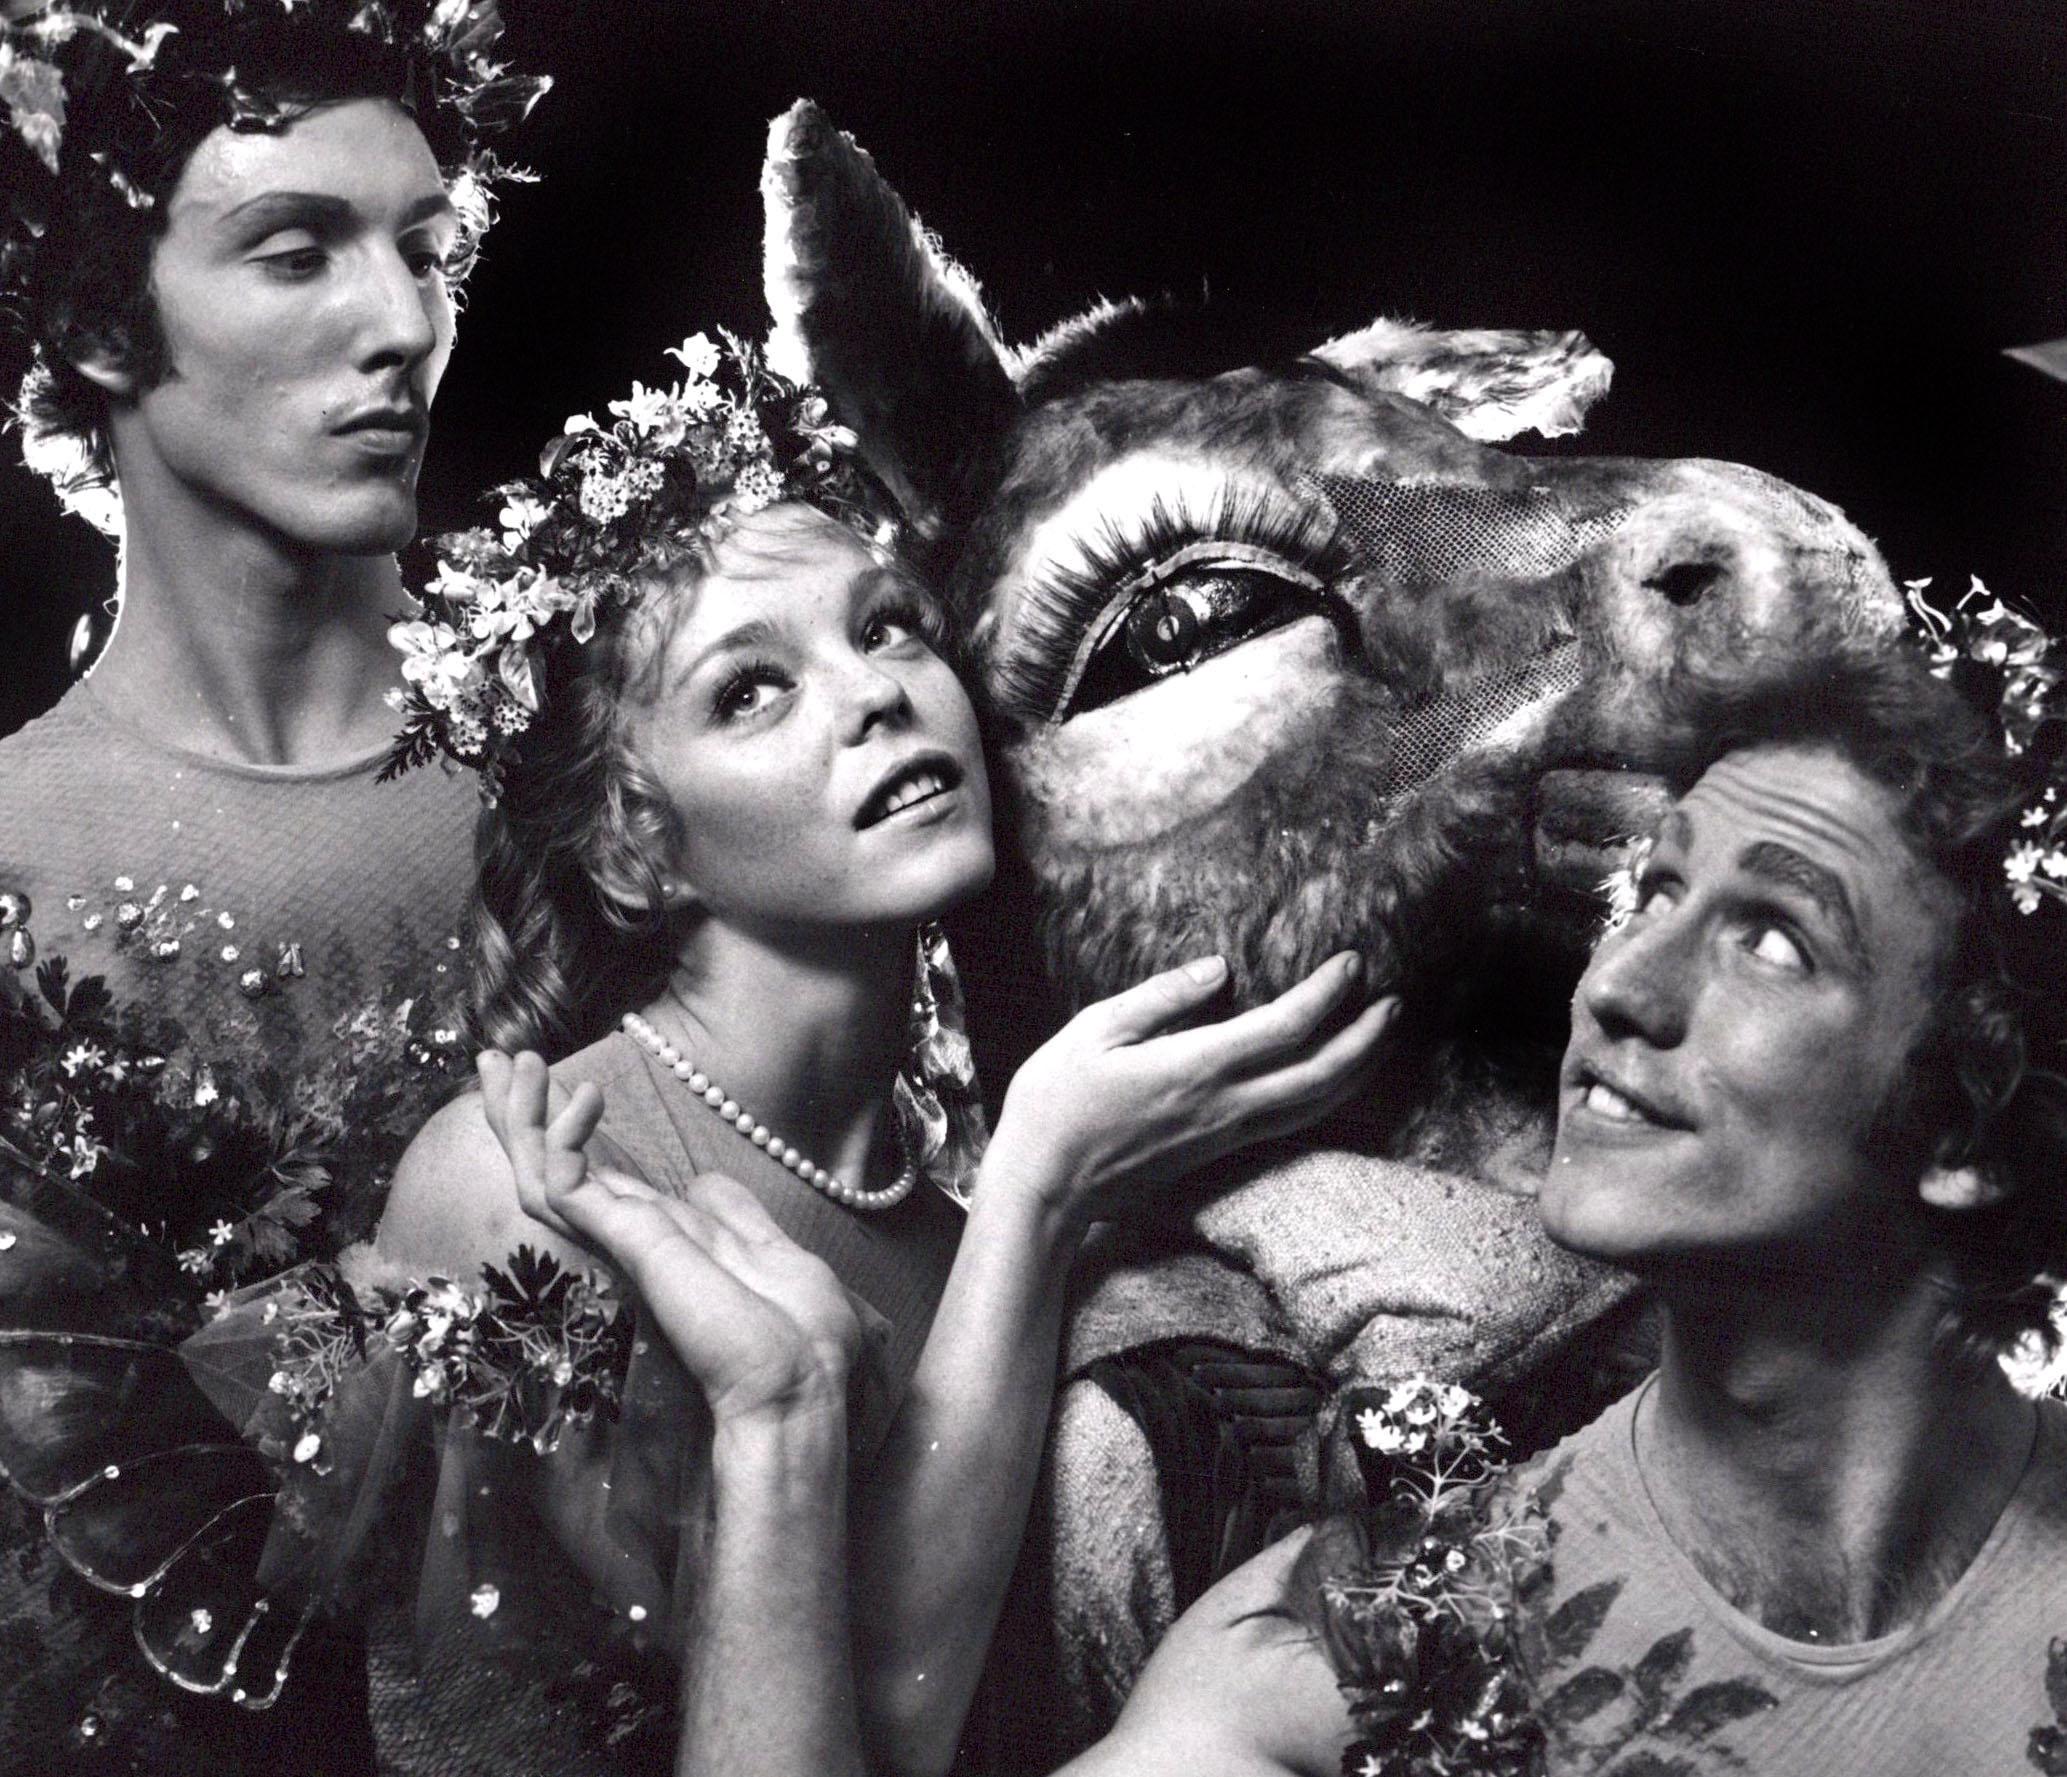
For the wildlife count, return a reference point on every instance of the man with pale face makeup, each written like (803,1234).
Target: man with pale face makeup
(240,307)
(234,236)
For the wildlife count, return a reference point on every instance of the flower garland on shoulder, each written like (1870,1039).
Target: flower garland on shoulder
(612,504)
(1426,1632)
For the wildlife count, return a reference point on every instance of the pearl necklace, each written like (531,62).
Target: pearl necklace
(726,1108)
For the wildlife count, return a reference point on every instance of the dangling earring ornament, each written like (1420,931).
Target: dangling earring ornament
(728,1110)
(936,1088)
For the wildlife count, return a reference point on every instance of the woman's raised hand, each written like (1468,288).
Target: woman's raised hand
(765,1327)
(1116,1101)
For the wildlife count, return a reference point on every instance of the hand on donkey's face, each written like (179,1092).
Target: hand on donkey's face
(763,1326)
(1131,1094)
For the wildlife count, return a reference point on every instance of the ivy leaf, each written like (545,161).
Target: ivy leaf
(1585,1693)
(2048,1751)
(89,1001)
(1664,1664)
(1709,1707)
(1576,1621)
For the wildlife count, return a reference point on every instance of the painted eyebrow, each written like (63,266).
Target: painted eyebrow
(1782,864)
(282,209)
(756,632)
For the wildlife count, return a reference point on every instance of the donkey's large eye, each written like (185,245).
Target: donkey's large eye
(1184,607)
(1175,624)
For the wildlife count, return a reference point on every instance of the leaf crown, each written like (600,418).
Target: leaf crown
(613,506)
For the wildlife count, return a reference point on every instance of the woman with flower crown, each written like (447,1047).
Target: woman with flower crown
(733,779)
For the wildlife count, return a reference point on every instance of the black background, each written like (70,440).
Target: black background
(1804,229)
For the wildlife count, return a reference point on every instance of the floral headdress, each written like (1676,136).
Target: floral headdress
(611,506)
(2001,661)
(110,92)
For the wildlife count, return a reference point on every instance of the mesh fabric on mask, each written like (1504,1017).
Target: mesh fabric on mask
(1417,534)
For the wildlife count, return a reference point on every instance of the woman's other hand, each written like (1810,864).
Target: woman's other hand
(765,1327)
(1117,1102)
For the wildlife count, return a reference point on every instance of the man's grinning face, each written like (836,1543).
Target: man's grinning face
(1736,1043)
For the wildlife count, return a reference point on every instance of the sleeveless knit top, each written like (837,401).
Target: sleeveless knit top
(178,876)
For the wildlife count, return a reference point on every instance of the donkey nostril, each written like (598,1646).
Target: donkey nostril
(1685,582)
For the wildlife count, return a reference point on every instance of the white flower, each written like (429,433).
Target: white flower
(2035,816)
(201,1618)
(2026,896)
(520,516)
(484,1599)
(199,1261)
(222,1233)
(516,608)
(656,414)
(435,663)
(306,1446)
(697,354)
(1370,1426)
(206,1092)
(1455,1399)
(2054,864)
(80,1057)
(216,1301)
(35,94)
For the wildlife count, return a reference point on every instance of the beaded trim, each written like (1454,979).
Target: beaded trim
(727,1109)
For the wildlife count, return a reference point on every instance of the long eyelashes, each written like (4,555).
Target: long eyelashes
(1058,607)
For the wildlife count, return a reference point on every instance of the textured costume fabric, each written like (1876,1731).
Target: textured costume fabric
(526,1613)
(1959,1691)
(1360,1269)
(365,881)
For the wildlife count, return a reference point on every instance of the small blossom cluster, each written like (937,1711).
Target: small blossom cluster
(612,503)
(1424,1630)
(2003,661)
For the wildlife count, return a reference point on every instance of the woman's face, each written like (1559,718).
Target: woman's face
(823,761)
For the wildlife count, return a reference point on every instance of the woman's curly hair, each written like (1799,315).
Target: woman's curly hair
(568,925)
(1985,1085)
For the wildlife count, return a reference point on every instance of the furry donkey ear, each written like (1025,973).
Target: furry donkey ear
(868,307)
(1488,383)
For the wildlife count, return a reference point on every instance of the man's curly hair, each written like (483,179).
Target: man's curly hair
(1985,1085)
